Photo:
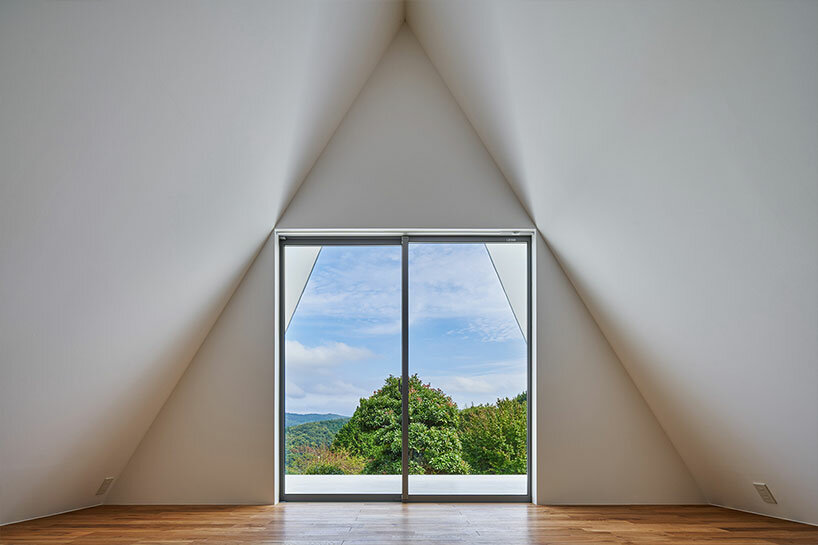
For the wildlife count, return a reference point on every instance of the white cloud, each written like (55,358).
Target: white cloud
(325,355)
(490,331)
(489,367)
(327,396)
(355,283)
(323,403)
(447,281)
(294,390)
(459,281)
(472,385)
(382,328)
(335,388)
(483,388)
(454,281)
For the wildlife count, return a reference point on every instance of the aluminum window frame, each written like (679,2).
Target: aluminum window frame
(402,240)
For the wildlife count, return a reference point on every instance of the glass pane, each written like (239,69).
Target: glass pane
(468,361)
(342,352)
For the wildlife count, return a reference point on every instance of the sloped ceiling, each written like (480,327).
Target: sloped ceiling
(146,151)
(666,151)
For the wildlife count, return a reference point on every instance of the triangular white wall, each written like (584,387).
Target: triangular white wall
(506,259)
(405,156)
(299,263)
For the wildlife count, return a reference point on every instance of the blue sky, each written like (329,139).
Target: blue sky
(344,338)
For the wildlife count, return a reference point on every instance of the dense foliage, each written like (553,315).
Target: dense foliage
(314,434)
(308,445)
(494,437)
(483,439)
(374,431)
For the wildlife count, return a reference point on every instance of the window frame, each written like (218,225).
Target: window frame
(403,240)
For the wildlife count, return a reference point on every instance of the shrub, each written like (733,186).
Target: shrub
(323,461)
(324,469)
(494,437)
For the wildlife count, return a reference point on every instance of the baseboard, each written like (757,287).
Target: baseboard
(50,514)
(628,504)
(764,514)
(188,504)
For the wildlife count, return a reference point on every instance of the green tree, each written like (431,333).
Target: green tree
(494,437)
(374,431)
(304,441)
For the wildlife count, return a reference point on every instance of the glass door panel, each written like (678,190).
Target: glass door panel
(450,315)
(341,364)
(468,367)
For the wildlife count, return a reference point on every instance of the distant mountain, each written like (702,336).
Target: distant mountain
(294,419)
(314,434)
(302,440)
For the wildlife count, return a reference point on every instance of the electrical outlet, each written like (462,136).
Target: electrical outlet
(103,488)
(764,492)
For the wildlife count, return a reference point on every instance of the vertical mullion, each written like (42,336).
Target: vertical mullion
(282,331)
(404,368)
(529,350)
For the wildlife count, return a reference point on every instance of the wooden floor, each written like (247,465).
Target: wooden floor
(390,523)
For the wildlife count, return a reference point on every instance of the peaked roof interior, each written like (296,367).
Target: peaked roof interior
(665,152)
(404,154)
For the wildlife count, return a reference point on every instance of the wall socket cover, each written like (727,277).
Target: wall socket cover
(764,492)
(103,488)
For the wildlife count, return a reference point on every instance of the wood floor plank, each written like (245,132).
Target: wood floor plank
(396,523)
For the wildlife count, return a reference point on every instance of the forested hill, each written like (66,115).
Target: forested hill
(314,434)
(294,419)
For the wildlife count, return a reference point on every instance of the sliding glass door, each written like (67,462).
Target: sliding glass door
(446,316)
(468,367)
(342,346)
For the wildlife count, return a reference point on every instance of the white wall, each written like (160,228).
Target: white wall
(299,264)
(599,443)
(405,156)
(667,152)
(213,441)
(146,150)
(506,259)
